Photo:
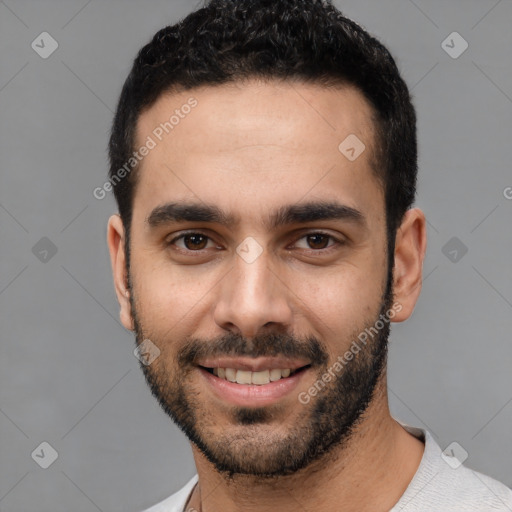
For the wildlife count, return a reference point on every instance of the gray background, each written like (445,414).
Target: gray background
(68,373)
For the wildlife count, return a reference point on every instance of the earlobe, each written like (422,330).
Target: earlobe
(115,242)
(410,247)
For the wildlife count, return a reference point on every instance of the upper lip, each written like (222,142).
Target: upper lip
(253,364)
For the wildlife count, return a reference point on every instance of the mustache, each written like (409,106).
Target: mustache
(269,345)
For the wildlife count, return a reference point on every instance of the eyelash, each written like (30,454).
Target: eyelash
(337,242)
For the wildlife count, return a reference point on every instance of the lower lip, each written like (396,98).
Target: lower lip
(250,395)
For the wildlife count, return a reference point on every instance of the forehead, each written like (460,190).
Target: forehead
(256,141)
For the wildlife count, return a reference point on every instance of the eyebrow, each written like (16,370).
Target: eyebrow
(300,213)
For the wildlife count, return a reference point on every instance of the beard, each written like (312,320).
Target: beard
(257,440)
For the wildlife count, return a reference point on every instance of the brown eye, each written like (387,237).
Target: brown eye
(318,241)
(195,241)
(192,242)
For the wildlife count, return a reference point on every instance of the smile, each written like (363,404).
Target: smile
(252,382)
(259,378)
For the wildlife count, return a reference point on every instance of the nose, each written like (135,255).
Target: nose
(252,298)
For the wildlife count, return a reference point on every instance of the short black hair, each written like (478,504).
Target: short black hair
(296,40)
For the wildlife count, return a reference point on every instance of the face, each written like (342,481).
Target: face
(257,258)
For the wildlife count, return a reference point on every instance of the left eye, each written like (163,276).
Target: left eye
(317,241)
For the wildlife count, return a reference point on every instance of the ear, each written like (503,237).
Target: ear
(410,247)
(115,241)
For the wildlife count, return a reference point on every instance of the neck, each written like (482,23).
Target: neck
(367,473)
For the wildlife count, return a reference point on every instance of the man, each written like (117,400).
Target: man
(263,156)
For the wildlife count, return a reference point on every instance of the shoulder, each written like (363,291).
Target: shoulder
(177,501)
(442,482)
(466,489)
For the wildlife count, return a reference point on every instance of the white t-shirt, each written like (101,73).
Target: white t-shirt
(440,484)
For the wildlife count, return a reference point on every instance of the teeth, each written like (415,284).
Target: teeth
(275,375)
(260,377)
(230,374)
(243,377)
(247,377)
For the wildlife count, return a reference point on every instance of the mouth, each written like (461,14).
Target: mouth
(259,378)
(252,382)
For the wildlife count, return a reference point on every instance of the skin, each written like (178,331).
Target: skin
(249,149)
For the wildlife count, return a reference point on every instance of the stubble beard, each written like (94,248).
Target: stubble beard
(255,442)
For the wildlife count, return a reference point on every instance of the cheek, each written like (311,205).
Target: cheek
(340,301)
(167,295)
(345,291)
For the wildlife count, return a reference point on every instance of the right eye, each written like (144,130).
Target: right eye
(191,241)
